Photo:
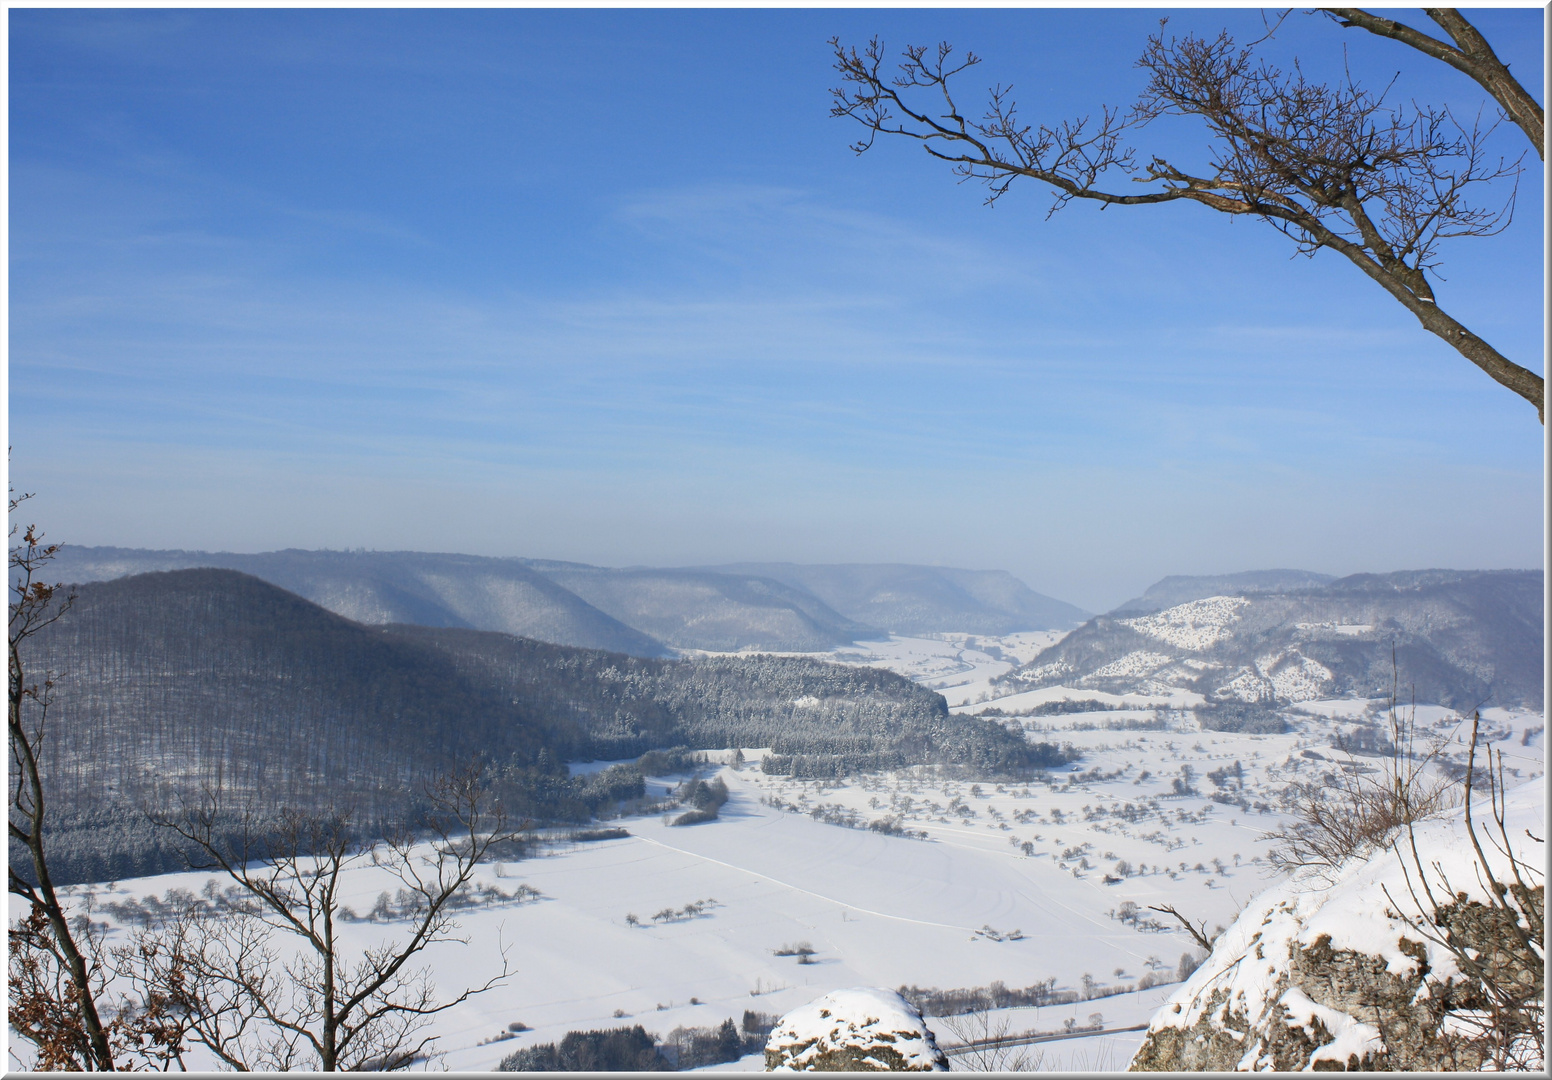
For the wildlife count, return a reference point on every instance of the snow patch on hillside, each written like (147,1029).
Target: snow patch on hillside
(1295,677)
(1133,665)
(1345,629)
(1195,626)
(1287,676)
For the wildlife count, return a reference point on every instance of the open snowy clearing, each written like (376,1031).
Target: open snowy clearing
(958,666)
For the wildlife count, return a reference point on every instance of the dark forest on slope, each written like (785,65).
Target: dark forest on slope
(170,681)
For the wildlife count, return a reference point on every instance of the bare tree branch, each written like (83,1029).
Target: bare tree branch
(1329,165)
(1197,932)
(322,1008)
(69,1032)
(1470,54)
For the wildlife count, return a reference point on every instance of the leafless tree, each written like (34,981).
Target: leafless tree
(258,968)
(1330,165)
(53,983)
(1497,1019)
(58,969)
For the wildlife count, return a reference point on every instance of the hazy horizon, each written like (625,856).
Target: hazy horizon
(1108,606)
(609,287)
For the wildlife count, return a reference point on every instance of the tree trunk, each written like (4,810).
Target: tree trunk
(48,900)
(1501,369)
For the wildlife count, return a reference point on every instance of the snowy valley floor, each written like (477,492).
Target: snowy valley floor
(1000,882)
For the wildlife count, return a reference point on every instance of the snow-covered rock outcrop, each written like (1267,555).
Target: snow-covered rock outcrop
(860,1030)
(1326,974)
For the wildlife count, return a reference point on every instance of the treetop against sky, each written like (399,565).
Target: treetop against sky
(610,286)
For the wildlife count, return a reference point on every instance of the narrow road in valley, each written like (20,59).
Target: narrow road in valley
(1027,1040)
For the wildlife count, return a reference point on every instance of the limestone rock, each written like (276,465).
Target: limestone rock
(860,1030)
(1326,974)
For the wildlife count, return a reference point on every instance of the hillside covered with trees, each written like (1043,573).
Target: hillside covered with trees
(176,682)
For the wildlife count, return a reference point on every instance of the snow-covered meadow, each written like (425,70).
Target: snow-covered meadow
(958,666)
(958,910)
(900,879)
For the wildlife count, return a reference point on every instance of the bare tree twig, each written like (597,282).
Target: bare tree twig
(1470,54)
(1197,932)
(1496,1016)
(45,958)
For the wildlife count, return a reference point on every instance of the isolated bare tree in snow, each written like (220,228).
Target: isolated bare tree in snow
(256,1004)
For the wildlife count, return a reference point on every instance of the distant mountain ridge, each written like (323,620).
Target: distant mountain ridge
(1456,638)
(908,599)
(1183,588)
(641,611)
(397,587)
(720,612)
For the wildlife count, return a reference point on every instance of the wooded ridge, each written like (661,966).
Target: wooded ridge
(172,681)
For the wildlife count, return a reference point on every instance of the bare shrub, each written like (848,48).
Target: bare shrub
(1358,808)
(1496,1015)
(987,1045)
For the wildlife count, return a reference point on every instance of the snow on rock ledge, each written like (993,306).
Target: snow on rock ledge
(861,1030)
(1322,974)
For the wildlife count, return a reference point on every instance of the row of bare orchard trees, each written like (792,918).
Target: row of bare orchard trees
(253,971)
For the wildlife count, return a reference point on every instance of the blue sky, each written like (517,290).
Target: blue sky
(609,286)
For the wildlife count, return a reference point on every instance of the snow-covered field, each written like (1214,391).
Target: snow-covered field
(958,666)
(961,667)
(878,911)
(993,882)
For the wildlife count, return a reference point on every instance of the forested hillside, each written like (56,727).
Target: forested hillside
(861,717)
(167,682)
(1183,588)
